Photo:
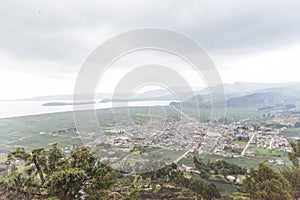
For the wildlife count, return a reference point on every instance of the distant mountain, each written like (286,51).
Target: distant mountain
(62,97)
(257,100)
(283,95)
(200,100)
(277,96)
(237,89)
(291,89)
(240,88)
(159,94)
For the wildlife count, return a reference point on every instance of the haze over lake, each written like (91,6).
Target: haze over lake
(24,108)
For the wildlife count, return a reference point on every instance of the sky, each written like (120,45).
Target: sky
(43,44)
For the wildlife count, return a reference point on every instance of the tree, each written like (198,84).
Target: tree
(62,176)
(225,172)
(207,191)
(136,187)
(102,177)
(266,184)
(55,158)
(29,159)
(202,167)
(295,154)
(293,174)
(220,165)
(21,186)
(66,184)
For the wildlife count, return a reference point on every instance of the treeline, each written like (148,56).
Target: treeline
(265,183)
(52,174)
(218,167)
(170,173)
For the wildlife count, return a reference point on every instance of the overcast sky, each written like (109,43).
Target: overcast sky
(44,43)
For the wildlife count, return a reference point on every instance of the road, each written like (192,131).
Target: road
(243,120)
(182,156)
(246,147)
(190,149)
(185,115)
(271,143)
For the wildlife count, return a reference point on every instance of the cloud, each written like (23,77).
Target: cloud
(54,37)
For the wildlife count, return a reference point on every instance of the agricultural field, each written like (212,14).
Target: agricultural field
(291,133)
(224,186)
(266,152)
(42,130)
(241,142)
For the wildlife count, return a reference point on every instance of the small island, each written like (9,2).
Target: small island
(65,104)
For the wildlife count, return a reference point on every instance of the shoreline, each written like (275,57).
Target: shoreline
(71,111)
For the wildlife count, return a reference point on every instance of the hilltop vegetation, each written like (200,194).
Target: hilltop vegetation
(52,174)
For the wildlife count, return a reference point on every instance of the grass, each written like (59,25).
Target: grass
(223,186)
(188,161)
(291,133)
(29,127)
(244,162)
(242,142)
(266,152)
(2,158)
(248,162)
(25,131)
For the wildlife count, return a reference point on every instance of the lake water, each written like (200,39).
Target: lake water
(24,108)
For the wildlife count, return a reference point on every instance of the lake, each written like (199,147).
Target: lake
(25,108)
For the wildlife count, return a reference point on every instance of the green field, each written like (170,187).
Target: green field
(232,114)
(266,152)
(242,142)
(223,186)
(291,133)
(244,162)
(26,131)
(188,161)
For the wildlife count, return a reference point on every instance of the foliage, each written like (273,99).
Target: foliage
(295,154)
(219,167)
(202,168)
(207,191)
(267,184)
(66,184)
(293,174)
(59,175)
(54,175)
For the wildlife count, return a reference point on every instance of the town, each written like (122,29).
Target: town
(170,141)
